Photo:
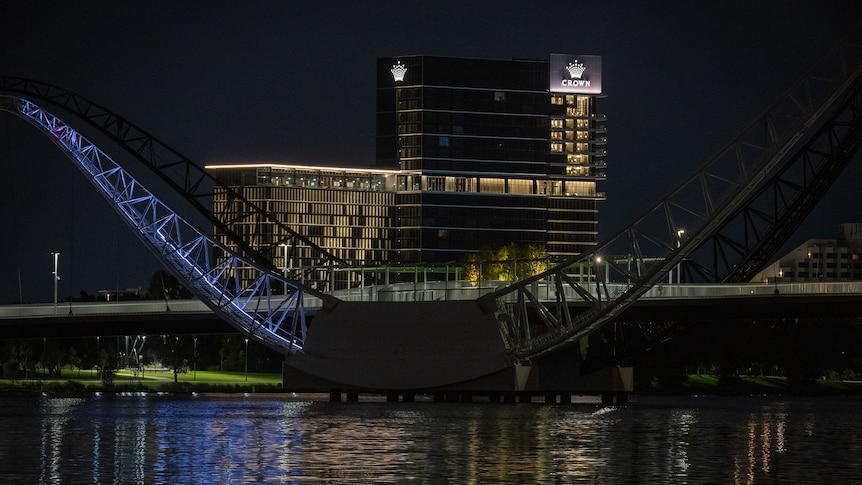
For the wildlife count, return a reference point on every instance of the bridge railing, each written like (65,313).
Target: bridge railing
(547,291)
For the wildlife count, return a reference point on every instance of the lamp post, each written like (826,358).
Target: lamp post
(284,252)
(246,360)
(679,234)
(56,276)
(598,274)
(195,359)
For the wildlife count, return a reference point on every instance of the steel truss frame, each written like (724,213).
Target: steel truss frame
(667,235)
(747,241)
(208,268)
(187,178)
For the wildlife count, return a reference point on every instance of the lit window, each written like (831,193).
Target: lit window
(499,96)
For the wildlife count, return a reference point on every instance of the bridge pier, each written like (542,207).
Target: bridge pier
(610,398)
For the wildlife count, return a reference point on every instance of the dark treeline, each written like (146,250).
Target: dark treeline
(799,350)
(26,358)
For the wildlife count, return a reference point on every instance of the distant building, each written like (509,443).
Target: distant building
(470,153)
(820,260)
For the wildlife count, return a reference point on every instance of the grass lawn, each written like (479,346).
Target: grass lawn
(745,384)
(125,379)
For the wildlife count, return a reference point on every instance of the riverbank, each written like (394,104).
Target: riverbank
(239,382)
(745,385)
(149,381)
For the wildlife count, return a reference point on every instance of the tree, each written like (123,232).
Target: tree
(107,364)
(164,286)
(53,358)
(176,355)
(512,262)
(73,359)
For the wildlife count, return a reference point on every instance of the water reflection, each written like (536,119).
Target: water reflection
(765,439)
(252,439)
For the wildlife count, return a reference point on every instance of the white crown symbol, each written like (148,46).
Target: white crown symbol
(398,71)
(576,69)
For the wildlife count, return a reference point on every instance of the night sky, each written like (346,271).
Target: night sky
(276,82)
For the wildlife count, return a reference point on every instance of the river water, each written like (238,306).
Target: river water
(260,438)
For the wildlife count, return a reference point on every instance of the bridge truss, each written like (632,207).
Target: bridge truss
(208,268)
(186,178)
(738,208)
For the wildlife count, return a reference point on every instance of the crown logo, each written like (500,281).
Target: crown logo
(398,71)
(576,69)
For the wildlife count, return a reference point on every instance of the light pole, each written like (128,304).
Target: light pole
(679,234)
(56,276)
(195,359)
(598,275)
(246,360)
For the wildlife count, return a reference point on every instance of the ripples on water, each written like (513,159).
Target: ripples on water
(270,439)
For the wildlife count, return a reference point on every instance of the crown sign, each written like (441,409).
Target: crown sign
(398,71)
(576,69)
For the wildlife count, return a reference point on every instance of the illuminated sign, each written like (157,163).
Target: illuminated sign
(398,71)
(575,74)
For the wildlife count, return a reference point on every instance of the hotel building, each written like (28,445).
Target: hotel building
(505,150)
(470,153)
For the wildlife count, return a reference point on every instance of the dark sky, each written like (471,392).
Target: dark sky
(272,81)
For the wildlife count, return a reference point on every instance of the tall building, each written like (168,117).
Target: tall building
(504,150)
(470,153)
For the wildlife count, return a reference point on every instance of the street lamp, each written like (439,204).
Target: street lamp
(56,276)
(598,262)
(679,234)
(195,359)
(284,268)
(246,360)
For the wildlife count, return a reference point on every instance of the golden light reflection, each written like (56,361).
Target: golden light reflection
(765,437)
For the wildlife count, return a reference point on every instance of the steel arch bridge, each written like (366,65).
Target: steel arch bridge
(721,223)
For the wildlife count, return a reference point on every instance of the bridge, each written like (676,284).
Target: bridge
(722,224)
(675,302)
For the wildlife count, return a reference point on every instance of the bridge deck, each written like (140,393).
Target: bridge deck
(683,302)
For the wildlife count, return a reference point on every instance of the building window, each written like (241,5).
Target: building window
(499,96)
(492,186)
(437,184)
(558,100)
(520,186)
(444,141)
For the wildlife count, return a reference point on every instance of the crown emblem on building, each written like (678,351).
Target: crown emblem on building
(398,71)
(576,69)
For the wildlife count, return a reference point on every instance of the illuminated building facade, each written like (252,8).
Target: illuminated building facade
(470,153)
(502,151)
(348,212)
